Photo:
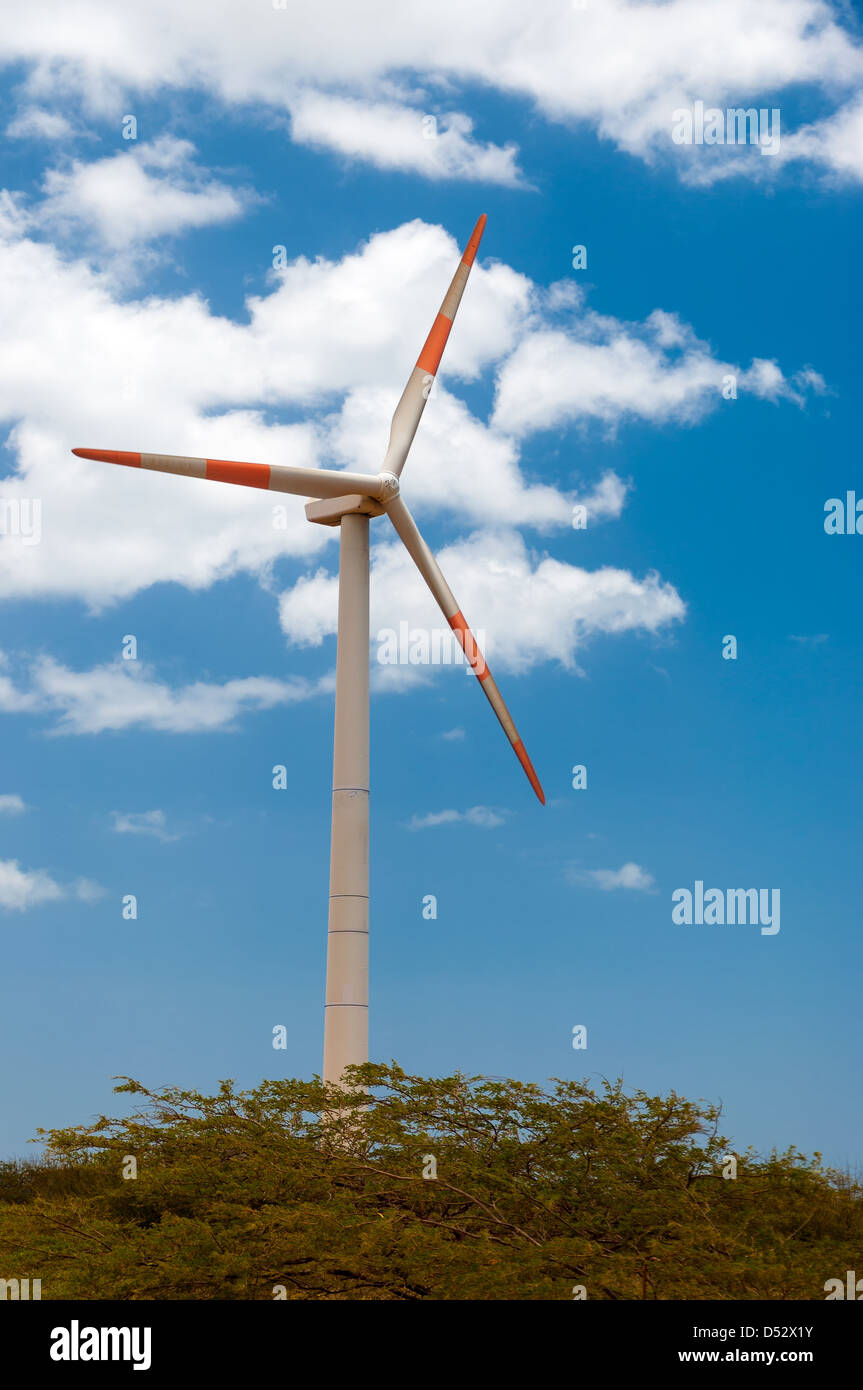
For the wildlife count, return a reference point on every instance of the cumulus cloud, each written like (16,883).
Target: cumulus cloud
(391,135)
(22,889)
(655,371)
(144,192)
(481,816)
(607,498)
(457,463)
(125,695)
(77,366)
(332,341)
(530,609)
(619,68)
(35,123)
(11,804)
(13,700)
(836,143)
(631,876)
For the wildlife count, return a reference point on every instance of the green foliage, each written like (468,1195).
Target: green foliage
(321,1191)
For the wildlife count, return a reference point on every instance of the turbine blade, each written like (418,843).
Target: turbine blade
(305,482)
(431,572)
(411,406)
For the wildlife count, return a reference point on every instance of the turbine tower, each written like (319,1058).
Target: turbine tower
(348,500)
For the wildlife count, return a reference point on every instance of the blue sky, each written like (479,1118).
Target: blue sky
(144,312)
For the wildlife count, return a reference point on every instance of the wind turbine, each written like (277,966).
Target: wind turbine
(348,500)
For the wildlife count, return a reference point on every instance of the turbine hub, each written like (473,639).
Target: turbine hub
(390,488)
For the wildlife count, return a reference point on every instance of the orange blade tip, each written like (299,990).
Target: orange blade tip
(521,754)
(110,456)
(473,245)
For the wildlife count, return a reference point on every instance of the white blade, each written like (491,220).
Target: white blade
(305,482)
(411,406)
(432,574)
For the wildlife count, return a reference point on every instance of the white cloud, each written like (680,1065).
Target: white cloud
(15,220)
(35,123)
(606,499)
(78,366)
(111,697)
(12,699)
(21,889)
(477,815)
(457,464)
(656,371)
(835,142)
(142,823)
(394,136)
(807,379)
(11,804)
(124,695)
(531,609)
(144,192)
(630,875)
(620,67)
(453,735)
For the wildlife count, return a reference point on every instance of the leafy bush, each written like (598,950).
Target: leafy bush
(299,1190)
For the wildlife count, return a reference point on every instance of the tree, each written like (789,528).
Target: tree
(300,1190)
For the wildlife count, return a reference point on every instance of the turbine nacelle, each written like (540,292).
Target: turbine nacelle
(330,510)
